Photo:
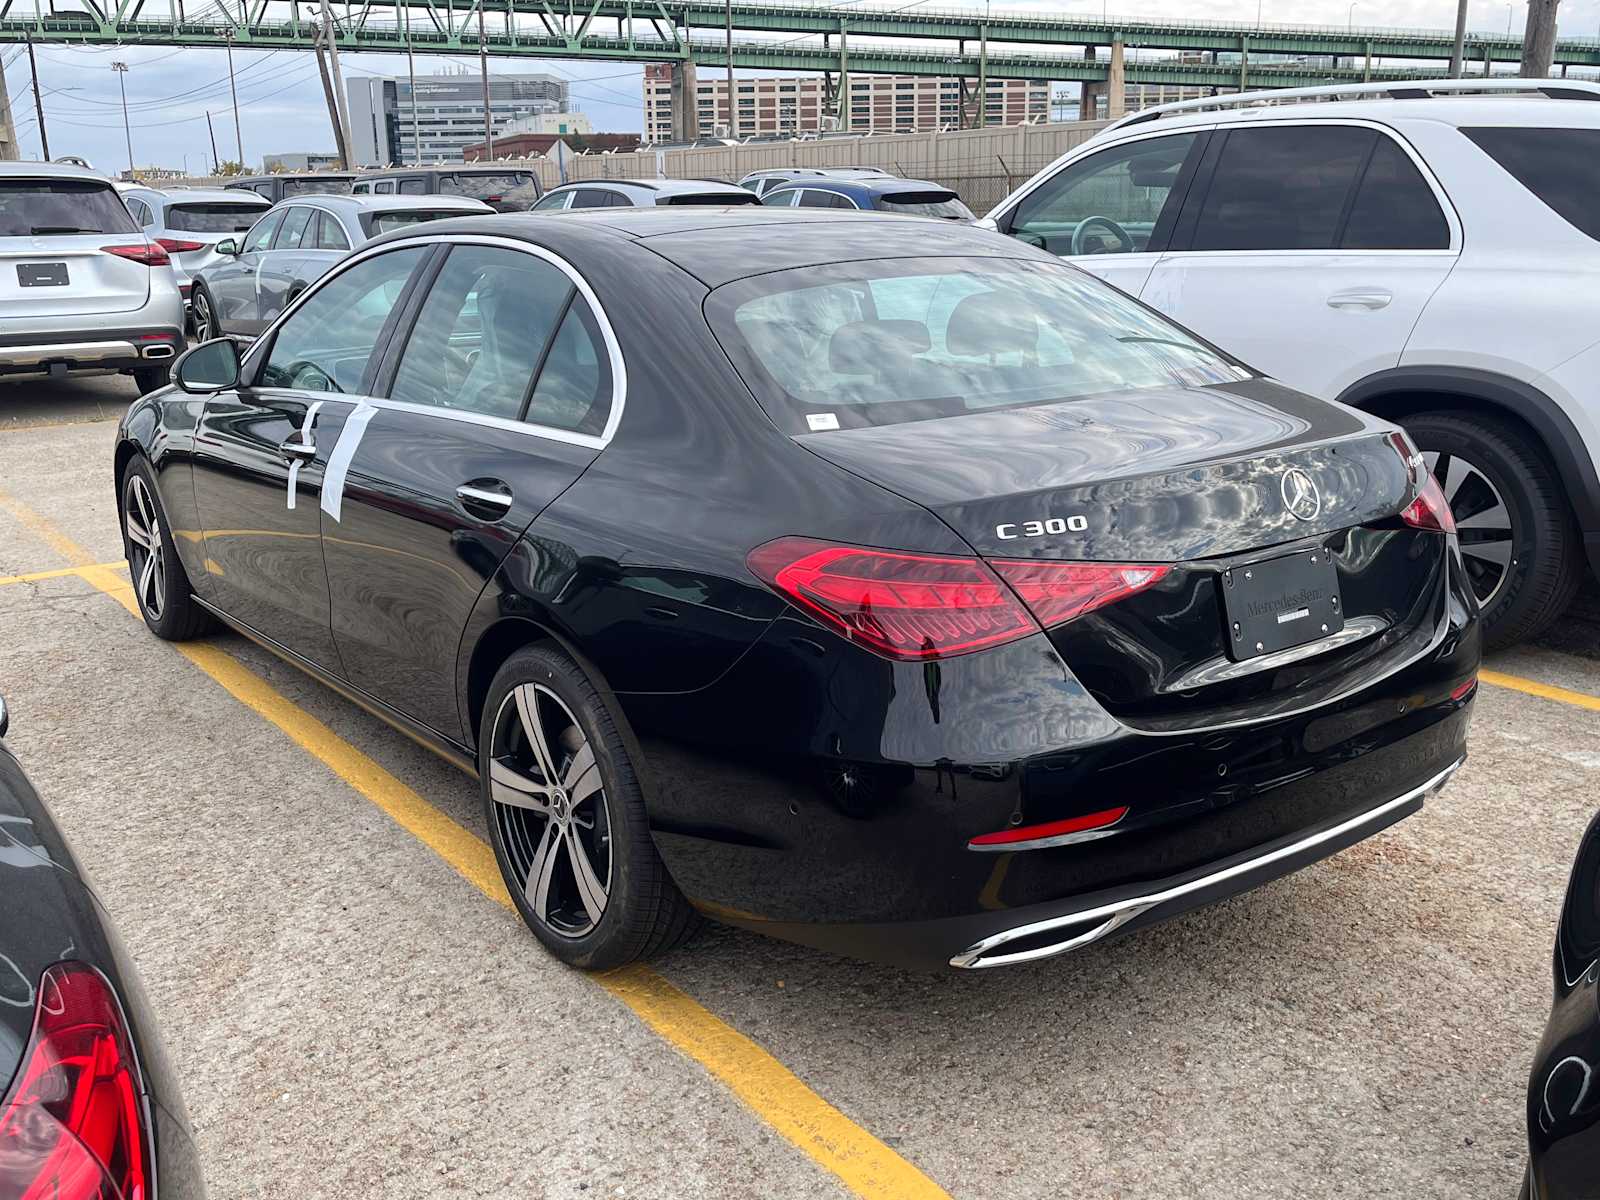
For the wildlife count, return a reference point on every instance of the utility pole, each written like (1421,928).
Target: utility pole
(1458,52)
(341,111)
(215,161)
(1539,39)
(238,137)
(733,102)
(488,107)
(8,128)
(38,104)
(411,70)
(121,68)
(317,36)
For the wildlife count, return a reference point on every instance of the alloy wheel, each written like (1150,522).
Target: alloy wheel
(1483,522)
(550,804)
(202,317)
(145,560)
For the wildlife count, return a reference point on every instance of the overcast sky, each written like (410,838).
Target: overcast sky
(282,109)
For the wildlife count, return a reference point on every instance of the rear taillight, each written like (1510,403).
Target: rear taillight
(73,1126)
(151,254)
(178,246)
(1429,510)
(923,606)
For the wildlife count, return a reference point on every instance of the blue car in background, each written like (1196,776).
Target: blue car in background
(881,193)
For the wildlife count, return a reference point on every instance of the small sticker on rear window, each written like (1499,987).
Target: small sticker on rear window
(821,421)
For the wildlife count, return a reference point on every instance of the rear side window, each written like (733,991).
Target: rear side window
(1281,189)
(327,234)
(1560,166)
(294,228)
(45,206)
(739,197)
(218,217)
(413,187)
(812,198)
(384,187)
(1394,209)
(518,188)
(140,210)
(590,198)
(944,205)
(332,186)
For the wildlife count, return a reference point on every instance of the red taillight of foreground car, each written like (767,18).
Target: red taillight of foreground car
(1430,510)
(73,1126)
(151,254)
(179,246)
(923,606)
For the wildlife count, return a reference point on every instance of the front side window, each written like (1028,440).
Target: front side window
(384,187)
(482,332)
(413,187)
(332,185)
(262,231)
(1282,188)
(1108,203)
(780,199)
(552,200)
(326,343)
(879,343)
(31,207)
(213,217)
(1559,166)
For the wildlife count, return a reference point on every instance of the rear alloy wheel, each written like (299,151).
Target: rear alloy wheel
(159,583)
(567,821)
(1518,539)
(205,319)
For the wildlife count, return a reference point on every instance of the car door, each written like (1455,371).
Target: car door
(502,392)
(262,451)
(1111,212)
(279,267)
(231,282)
(1309,250)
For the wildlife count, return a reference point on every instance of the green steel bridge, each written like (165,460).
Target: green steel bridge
(793,37)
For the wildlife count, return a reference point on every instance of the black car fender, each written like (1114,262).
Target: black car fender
(161,427)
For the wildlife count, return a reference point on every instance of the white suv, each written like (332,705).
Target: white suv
(1429,252)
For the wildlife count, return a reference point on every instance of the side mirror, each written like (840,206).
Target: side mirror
(5,717)
(988,223)
(209,367)
(228,246)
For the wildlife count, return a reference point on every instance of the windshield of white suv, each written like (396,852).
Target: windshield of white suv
(45,206)
(882,342)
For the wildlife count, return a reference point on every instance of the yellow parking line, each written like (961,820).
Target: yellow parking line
(46,531)
(865,1165)
(58,573)
(1545,691)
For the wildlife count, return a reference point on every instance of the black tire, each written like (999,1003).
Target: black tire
(162,588)
(643,913)
(148,379)
(203,313)
(1545,564)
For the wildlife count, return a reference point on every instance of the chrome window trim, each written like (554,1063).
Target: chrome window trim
(619,370)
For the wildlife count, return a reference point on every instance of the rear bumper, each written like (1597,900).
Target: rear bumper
(90,350)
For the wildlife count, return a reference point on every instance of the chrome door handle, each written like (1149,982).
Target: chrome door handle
(484,499)
(1368,298)
(300,451)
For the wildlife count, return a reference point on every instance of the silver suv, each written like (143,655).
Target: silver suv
(189,222)
(81,287)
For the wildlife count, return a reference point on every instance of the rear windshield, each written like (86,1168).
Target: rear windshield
(1560,166)
(739,197)
(880,343)
(44,206)
(509,187)
(215,217)
(382,222)
(946,205)
(332,185)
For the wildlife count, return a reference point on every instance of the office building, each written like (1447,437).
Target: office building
(448,114)
(301,160)
(773,105)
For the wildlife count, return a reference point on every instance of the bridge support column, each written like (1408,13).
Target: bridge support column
(1116,84)
(8,128)
(1089,100)
(686,102)
(844,80)
(983,76)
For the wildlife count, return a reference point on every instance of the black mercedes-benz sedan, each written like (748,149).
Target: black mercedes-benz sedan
(89,1108)
(1564,1086)
(887,586)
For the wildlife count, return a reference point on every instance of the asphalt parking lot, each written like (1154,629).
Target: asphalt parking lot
(354,1011)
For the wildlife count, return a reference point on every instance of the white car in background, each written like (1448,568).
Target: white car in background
(81,287)
(1426,251)
(189,222)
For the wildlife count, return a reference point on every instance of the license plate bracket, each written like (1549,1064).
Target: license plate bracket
(42,274)
(1281,602)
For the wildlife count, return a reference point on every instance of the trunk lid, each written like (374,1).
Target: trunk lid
(1200,481)
(60,275)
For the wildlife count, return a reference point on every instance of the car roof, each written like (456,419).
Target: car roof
(661,187)
(720,244)
(1469,110)
(237,180)
(876,185)
(240,196)
(45,170)
(353,204)
(451,168)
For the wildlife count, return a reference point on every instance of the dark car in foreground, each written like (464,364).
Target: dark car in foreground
(89,1108)
(876,193)
(1564,1086)
(887,586)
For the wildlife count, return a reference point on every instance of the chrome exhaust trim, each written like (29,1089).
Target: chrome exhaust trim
(1096,923)
(159,350)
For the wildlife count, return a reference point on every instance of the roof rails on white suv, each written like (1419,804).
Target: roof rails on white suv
(1428,256)
(1420,89)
